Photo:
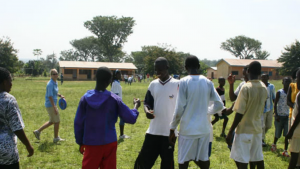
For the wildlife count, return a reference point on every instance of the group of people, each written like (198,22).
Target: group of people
(189,102)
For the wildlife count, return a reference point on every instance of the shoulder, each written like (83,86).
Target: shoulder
(174,81)
(6,97)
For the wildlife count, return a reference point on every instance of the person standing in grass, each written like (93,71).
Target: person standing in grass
(159,107)
(11,125)
(294,132)
(94,123)
(50,104)
(249,107)
(191,110)
(268,110)
(281,110)
(116,88)
(231,79)
(61,78)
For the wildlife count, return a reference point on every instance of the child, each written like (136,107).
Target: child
(221,92)
(294,132)
(195,93)
(116,88)
(11,125)
(159,106)
(281,110)
(94,123)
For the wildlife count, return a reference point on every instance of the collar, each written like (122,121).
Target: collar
(52,81)
(117,81)
(165,82)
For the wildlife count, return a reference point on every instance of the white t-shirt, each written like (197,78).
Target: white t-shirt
(238,89)
(195,92)
(116,88)
(161,98)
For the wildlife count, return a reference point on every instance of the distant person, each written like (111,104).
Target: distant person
(148,76)
(130,79)
(195,93)
(281,110)
(159,107)
(50,104)
(268,110)
(126,78)
(249,107)
(11,125)
(94,123)
(61,78)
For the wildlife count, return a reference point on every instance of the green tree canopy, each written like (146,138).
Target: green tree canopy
(244,48)
(37,52)
(69,55)
(290,58)
(8,55)
(87,49)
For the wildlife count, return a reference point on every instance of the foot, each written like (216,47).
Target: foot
(37,134)
(223,135)
(273,148)
(285,153)
(124,136)
(55,140)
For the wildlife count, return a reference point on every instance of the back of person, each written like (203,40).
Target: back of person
(294,92)
(282,107)
(296,133)
(254,95)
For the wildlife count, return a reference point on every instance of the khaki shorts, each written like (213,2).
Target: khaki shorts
(294,145)
(52,116)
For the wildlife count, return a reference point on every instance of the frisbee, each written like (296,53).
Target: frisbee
(62,103)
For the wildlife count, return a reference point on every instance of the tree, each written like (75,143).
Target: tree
(37,52)
(290,58)
(87,48)
(112,33)
(34,67)
(8,55)
(51,61)
(244,48)
(69,55)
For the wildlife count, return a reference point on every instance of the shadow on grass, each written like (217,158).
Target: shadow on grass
(120,141)
(47,146)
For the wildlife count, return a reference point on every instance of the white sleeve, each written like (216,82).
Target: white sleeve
(237,90)
(180,105)
(218,105)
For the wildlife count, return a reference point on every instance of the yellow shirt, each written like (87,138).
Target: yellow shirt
(250,103)
(293,95)
(295,113)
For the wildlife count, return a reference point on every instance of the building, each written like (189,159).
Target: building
(235,67)
(212,72)
(81,70)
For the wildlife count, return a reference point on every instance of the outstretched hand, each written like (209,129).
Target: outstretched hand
(137,103)
(231,79)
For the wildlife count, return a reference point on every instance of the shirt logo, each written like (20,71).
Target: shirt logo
(171,97)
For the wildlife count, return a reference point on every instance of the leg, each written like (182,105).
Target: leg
(216,119)
(203,164)
(92,156)
(259,164)
(242,165)
(110,157)
(56,129)
(44,126)
(11,166)
(293,161)
(224,125)
(184,166)
(268,121)
(286,143)
(121,129)
(275,140)
(166,153)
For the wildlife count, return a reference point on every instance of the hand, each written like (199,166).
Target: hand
(150,114)
(55,110)
(172,137)
(62,96)
(289,134)
(30,150)
(137,102)
(229,138)
(81,149)
(231,79)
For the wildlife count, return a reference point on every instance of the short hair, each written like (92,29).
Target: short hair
(246,67)
(221,78)
(265,74)
(103,74)
(294,73)
(255,68)
(192,62)
(53,70)
(287,79)
(162,60)
(4,74)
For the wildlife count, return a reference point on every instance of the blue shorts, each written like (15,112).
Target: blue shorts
(281,126)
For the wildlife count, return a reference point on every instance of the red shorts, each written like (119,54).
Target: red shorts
(103,156)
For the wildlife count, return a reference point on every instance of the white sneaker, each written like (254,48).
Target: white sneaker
(55,140)
(37,134)
(124,136)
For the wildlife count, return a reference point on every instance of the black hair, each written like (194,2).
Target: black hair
(255,68)
(103,74)
(246,67)
(294,73)
(287,79)
(114,76)
(4,74)
(162,60)
(192,62)
(265,74)
(221,78)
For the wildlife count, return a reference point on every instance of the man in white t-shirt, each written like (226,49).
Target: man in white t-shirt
(159,106)
(195,93)
(231,79)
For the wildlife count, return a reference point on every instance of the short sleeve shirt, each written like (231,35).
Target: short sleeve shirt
(250,103)
(116,88)
(282,107)
(10,121)
(238,89)
(296,133)
(51,90)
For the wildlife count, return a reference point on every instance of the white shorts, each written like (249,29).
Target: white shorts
(193,149)
(247,148)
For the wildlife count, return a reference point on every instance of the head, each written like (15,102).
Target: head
(254,70)
(221,81)
(286,81)
(265,78)
(103,77)
(53,74)
(5,80)
(161,65)
(192,63)
(245,73)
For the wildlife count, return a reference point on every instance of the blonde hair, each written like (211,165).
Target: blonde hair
(53,70)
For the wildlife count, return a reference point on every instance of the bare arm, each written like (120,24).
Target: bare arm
(149,115)
(289,98)
(22,136)
(296,122)
(231,80)
(238,117)
(275,103)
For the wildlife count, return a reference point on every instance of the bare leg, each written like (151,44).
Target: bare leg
(184,166)
(286,144)
(56,129)
(215,120)
(44,126)
(203,164)
(293,161)
(121,130)
(275,140)
(224,125)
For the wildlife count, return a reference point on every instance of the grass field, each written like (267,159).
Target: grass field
(30,95)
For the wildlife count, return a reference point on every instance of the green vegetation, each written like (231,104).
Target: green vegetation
(30,96)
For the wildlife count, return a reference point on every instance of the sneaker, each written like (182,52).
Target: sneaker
(37,134)
(124,136)
(223,135)
(55,140)
(264,144)
(285,153)
(273,148)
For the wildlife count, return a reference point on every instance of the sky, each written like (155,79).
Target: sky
(197,27)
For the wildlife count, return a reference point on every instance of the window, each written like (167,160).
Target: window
(270,73)
(235,72)
(68,71)
(82,71)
